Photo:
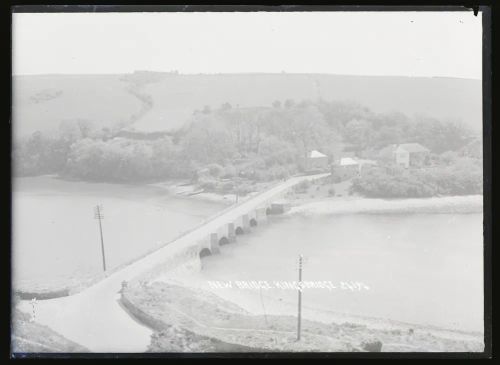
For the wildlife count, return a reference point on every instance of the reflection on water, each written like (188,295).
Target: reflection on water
(424,269)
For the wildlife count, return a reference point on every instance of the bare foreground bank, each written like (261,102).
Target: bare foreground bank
(173,318)
(202,321)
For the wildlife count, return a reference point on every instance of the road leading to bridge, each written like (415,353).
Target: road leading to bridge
(94,318)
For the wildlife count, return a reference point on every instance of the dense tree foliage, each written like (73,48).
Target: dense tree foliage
(460,176)
(259,144)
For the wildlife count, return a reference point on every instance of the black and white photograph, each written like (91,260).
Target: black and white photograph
(203,182)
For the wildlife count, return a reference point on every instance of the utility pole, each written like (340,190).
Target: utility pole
(237,182)
(99,216)
(299,316)
(33,313)
(237,191)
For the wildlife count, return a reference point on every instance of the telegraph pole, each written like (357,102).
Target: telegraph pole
(99,216)
(33,313)
(237,191)
(299,316)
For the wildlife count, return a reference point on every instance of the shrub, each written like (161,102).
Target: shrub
(302,186)
(331,192)
(259,176)
(227,187)
(208,185)
(462,178)
(280,172)
(229,172)
(15,300)
(372,346)
(244,189)
(215,170)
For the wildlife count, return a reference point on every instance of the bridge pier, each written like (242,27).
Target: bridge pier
(231,235)
(261,215)
(280,207)
(245,222)
(214,243)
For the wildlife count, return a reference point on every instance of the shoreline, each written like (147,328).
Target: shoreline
(186,190)
(320,205)
(275,307)
(358,205)
(220,310)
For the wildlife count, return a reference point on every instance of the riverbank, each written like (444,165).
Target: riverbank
(184,189)
(60,253)
(165,305)
(322,197)
(355,204)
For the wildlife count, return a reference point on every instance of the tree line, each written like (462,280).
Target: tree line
(261,143)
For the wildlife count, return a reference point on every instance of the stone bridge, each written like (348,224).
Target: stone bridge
(94,317)
(228,231)
(209,237)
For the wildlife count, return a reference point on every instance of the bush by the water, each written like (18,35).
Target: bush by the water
(372,346)
(463,177)
(302,187)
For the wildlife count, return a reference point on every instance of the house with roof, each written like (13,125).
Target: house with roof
(348,162)
(352,166)
(316,161)
(405,154)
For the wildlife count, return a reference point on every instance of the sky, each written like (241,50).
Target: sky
(446,44)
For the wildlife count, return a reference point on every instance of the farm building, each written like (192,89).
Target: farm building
(406,154)
(316,161)
(352,166)
(348,167)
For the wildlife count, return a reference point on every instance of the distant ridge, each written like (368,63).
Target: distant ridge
(113,98)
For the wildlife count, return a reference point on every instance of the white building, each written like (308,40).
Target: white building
(351,166)
(317,161)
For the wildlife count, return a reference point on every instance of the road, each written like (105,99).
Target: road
(94,318)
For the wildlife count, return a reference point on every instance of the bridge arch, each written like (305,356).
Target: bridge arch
(239,231)
(205,252)
(253,222)
(223,241)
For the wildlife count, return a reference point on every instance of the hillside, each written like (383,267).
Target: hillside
(42,102)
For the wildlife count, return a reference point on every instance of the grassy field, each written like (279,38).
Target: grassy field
(42,102)
(175,97)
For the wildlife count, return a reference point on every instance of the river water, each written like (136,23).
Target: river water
(416,268)
(56,239)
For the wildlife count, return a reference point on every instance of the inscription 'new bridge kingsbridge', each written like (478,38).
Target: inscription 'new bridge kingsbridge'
(94,317)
